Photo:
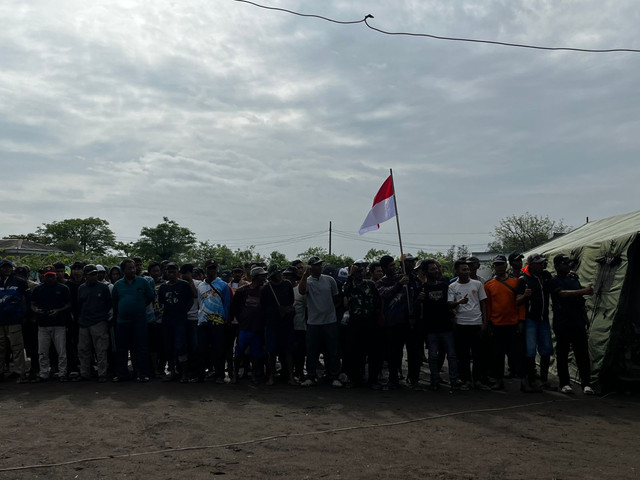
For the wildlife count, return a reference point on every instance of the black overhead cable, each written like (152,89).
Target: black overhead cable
(437,37)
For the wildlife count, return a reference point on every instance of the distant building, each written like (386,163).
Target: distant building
(19,247)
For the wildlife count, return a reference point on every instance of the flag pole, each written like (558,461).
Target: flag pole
(395,204)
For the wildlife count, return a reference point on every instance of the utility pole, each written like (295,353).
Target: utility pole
(329,237)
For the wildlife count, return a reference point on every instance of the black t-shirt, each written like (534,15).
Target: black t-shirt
(568,312)
(176,301)
(245,307)
(436,314)
(51,297)
(284,292)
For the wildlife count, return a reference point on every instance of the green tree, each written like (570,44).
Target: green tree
(373,255)
(448,258)
(278,258)
(520,233)
(333,259)
(166,241)
(89,235)
(223,254)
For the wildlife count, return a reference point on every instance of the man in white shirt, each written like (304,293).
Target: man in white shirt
(468,297)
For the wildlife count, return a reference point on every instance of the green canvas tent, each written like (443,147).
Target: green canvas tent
(608,256)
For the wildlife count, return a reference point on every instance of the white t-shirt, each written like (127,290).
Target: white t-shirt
(468,313)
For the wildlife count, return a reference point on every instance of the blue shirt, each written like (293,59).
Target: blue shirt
(131,299)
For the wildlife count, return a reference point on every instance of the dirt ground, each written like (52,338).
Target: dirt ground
(205,430)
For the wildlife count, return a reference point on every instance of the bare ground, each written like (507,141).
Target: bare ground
(320,432)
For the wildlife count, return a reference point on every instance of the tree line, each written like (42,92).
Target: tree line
(92,239)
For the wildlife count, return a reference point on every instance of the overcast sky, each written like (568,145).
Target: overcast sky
(259,127)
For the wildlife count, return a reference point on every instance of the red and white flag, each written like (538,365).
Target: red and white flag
(383,208)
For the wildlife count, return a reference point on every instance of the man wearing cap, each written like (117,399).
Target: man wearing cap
(515,264)
(468,297)
(277,299)
(362,332)
(215,300)
(434,324)
(176,298)
(395,329)
(321,293)
(570,323)
(246,308)
(51,302)
(94,304)
(14,293)
(533,293)
(474,265)
(299,322)
(506,319)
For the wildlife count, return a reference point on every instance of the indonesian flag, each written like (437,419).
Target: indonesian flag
(383,207)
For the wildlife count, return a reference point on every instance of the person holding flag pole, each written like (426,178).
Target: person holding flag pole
(393,287)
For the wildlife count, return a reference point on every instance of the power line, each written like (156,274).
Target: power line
(438,37)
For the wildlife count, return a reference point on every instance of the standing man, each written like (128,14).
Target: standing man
(364,305)
(176,298)
(277,301)
(533,293)
(506,320)
(435,322)
(51,301)
(515,264)
(131,295)
(94,304)
(468,297)
(570,323)
(321,293)
(395,329)
(14,293)
(215,300)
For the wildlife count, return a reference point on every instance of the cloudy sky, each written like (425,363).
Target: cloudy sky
(260,127)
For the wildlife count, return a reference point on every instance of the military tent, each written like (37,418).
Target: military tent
(608,257)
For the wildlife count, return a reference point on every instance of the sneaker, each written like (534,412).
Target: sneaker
(219,381)
(309,382)
(22,379)
(567,389)
(337,384)
(416,387)
(588,390)
(465,387)
(63,379)
(143,379)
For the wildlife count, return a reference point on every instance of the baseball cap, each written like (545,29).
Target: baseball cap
(273,270)
(256,271)
(561,258)
(515,256)
(536,258)
(499,259)
(89,269)
(314,261)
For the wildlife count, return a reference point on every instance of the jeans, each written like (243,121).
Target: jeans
(438,342)
(538,336)
(57,335)
(175,343)
(95,337)
(327,336)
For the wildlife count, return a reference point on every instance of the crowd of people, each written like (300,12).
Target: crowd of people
(306,324)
